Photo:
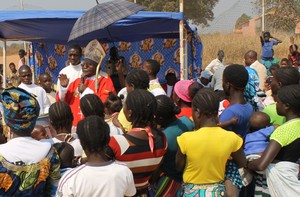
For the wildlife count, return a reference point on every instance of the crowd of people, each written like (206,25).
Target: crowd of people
(231,132)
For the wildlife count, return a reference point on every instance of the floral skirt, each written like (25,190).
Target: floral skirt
(204,190)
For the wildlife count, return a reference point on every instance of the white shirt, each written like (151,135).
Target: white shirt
(155,88)
(41,96)
(113,179)
(214,65)
(217,79)
(262,73)
(169,90)
(75,144)
(25,149)
(73,72)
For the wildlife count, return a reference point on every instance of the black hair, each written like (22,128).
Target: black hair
(24,67)
(251,53)
(91,104)
(11,63)
(143,106)
(114,55)
(287,75)
(274,67)
(296,47)
(284,60)
(113,103)
(93,133)
(66,154)
(166,109)
(237,75)
(194,88)
(138,78)
(267,34)
(22,51)
(207,102)
(76,47)
(154,66)
(170,75)
(61,116)
(290,95)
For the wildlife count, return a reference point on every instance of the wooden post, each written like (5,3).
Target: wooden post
(182,38)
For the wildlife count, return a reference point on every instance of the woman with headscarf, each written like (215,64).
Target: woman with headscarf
(26,165)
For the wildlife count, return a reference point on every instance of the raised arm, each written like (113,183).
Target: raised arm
(279,41)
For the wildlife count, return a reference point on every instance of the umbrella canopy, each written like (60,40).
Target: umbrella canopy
(102,15)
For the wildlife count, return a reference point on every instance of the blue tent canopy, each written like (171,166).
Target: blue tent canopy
(55,26)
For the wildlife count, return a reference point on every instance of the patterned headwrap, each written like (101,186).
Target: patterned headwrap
(21,109)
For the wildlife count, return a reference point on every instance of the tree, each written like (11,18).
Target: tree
(281,15)
(241,20)
(199,12)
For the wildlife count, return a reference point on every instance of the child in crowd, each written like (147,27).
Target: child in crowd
(112,107)
(269,98)
(98,176)
(285,62)
(293,53)
(46,82)
(67,161)
(61,119)
(258,137)
(39,132)
(267,46)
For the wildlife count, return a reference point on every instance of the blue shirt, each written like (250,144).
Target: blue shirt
(257,141)
(243,113)
(267,48)
(172,131)
(253,77)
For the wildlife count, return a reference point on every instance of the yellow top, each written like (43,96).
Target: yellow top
(207,151)
(123,121)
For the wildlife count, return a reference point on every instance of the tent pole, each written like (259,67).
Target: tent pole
(183,69)
(4,64)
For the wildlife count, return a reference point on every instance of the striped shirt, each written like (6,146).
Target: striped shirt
(136,154)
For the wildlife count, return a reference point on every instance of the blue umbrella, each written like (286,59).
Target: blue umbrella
(102,15)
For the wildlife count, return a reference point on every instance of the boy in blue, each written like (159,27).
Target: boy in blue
(267,46)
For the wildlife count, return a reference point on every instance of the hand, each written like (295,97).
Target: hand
(81,87)
(119,66)
(64,80)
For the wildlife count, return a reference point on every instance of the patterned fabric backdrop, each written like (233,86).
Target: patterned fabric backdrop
(52,58)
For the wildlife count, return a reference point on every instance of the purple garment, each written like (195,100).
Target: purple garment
(257,141)
(267,48)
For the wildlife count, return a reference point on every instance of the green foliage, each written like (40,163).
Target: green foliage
(241,20)
(280,15)
(199,12)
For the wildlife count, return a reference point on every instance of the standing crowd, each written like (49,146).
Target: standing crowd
(231,132)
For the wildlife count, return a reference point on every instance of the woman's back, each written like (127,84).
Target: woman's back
(207,151)
(137,155)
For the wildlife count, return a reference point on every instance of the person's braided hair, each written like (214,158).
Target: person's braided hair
(61,116)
